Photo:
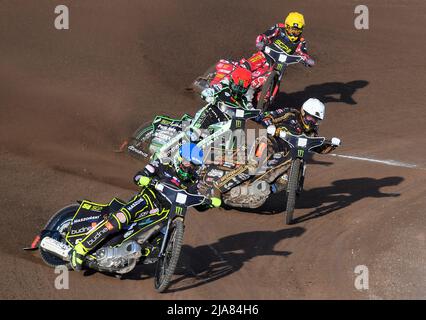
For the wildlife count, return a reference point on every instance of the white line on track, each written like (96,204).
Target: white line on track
(387,162)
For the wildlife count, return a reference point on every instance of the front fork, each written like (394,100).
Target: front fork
(165,237)
(301,179)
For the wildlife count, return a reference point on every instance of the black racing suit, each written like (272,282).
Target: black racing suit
(214,112)
(146,200)
(287,119)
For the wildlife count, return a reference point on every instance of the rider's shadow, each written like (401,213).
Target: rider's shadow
(204,264)
(325,200)
(326,92)
(343,193)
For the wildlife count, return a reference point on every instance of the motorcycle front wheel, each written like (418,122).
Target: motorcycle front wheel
(293,183)
(167,262)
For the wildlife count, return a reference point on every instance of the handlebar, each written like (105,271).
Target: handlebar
(279,56)
(179,196)
(301,141)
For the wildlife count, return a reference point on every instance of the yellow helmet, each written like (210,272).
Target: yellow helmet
(294,24)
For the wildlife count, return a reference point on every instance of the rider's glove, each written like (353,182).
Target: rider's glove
(77,256)
(260,45)
(335,142)
(215,202)
(271,129)
(143,181)
(208,95)
(308,62)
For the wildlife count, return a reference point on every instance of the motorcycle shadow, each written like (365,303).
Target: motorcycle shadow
(324,200)
(207,263)
(326,92)
(342,194)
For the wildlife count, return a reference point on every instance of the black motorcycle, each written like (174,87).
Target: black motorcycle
(155,238)
(300,148)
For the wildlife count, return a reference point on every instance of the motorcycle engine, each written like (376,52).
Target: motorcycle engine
(248,195)
(121,259)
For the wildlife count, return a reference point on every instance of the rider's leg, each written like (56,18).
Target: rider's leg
(256,61)
(114,223)
(202,120)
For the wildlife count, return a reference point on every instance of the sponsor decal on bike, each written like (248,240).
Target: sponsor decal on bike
(130,230)
(215,173)
(134,149)
(85,219)
(166,128)
(179,211)
(128,233)
(230,175)
(81,230)
(147,221)
(109,226)
(96,236)
(136,203)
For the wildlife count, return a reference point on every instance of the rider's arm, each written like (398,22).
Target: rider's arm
(277,116)
(143,177)
(328,146)
(209,202)
(302,50)
(210,94)
(266,37)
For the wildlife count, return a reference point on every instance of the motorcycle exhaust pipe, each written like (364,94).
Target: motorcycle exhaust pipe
(55,247)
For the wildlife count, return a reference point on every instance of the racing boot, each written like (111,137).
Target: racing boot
(77,256)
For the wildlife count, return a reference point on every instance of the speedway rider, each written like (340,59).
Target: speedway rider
(306,121)
(181,173)
(234,92)
(287,37)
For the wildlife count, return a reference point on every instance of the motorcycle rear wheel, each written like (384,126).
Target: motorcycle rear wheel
(141,140)
(167,263)
(292,187)
(203,81)
(58,225)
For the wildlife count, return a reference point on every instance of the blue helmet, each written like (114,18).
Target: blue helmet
(190,152)
(189,158)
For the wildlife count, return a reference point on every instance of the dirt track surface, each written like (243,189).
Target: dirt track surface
(68,98)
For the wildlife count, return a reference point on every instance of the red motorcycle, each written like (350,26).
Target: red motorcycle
(265,80)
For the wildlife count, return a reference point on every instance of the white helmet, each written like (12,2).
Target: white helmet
(313,111)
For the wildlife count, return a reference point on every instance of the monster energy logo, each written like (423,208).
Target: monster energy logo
(300,152)
(178,210)
(238,123)
(279,66)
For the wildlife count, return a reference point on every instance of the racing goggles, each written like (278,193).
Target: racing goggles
(187,168)
(311,121)
(294,31)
